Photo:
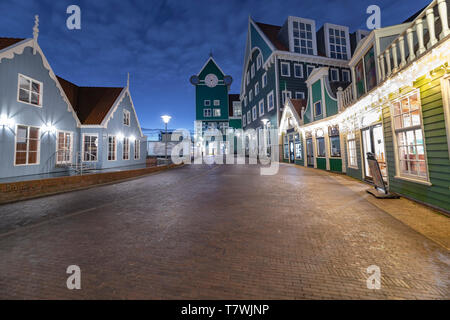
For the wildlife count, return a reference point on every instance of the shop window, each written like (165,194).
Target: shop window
(298,148)
(286,147)
(351,150)
(320,147)
(411,161)
(335,141)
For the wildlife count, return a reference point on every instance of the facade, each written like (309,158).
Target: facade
(215,107)
(279,59)
(49,125)
(396,108)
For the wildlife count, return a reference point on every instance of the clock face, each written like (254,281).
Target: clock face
(211,80)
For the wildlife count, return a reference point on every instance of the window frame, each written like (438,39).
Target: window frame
(301,76)
(207,103)
(216,103)
(256,89)
(38,151)
(204,113)
(315,110)
(302,93)
(83,148)
(254,113)
(109,148)
(41,90)
(395,132)
(70,147)
(288,69)
(259,107)
(249,117)
(299,38)
(137,149)
(308,73)
(126,118)
(250,95)
(264,80)
(270,95)
(349,75)
(331,74)
(351,138)
(219,113)
(284,95)
(252,70)
(259,61)
(125,139)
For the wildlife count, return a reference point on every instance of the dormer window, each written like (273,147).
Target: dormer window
(337,41)
(303,37)
(126,117)
(259,62)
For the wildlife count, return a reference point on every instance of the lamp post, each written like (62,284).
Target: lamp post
(166,120)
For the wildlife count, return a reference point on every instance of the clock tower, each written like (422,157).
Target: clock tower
(212,102)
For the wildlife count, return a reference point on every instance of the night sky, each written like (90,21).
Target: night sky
(163,43)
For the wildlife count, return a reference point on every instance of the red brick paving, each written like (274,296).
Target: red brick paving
(216,232)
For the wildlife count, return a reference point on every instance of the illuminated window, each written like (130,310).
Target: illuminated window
(351,152)
(126,148)
(30,91)
(27,145)
(137,149)
(112,148)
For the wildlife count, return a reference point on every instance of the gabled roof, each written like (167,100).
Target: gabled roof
(207,62)
(7,42)
(298,105)
(91,104)
(271,32)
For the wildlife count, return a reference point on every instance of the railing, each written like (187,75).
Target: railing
(401,52)
(345,97)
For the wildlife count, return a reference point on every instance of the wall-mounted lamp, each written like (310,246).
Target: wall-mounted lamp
(6,122)
(132,138)
(120,136)
(48,128)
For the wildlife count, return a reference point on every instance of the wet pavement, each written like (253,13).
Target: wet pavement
(217,232)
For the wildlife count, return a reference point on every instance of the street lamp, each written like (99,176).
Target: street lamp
(166,120)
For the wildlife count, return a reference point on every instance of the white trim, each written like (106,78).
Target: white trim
(259,107)
(337,73)
(82,146)
(216,103)
(301,92)
(445,88)
(311,22)
(327,27)
(128,114)
(281,69)
(264,76)
(57,146)
(349,75)
(115,147)
(273,101)
(38,160)
(210,113)
(302,71)
(254,113)
(321,108)
(207,103)
(411,179)
(41,90)
(206,63)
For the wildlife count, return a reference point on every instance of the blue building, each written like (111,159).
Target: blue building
(50,125)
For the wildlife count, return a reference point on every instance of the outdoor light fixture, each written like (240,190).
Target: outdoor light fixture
(166,120)
(120,136)
(132,138)
(48,128)
(6,122)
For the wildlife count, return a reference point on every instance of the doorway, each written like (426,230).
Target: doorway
(373,141)
(309,153)
(291,151)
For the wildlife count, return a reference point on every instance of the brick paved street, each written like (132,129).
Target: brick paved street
(217,232)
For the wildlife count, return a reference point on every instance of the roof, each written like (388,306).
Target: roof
(298,105)
(231,98)
(7,42)
(271,32)
(91,104)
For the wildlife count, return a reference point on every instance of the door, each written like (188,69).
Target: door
(310,153)
(373,141)
(291,151)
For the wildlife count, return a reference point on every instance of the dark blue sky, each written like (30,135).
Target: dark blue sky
(163,43)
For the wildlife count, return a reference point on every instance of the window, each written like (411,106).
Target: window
(303,38)
(244,122)
(408,131)
(256,89)
(264,80)
(320,147)
(309,70)
(64,147)
(249,117)
(261,107)
(206,113)
(318,108)
(216,103)
(351,146)
(216,112)
(245,101)
(259,62)
(248,78)
(112,148)
(126,149)
(237,109)
(286,147)
(338,44)
(126,117)
(346,75)
(90,148)
(285,69)
(286,94)
(270,102)
(27,145)
(30,91)
(298,148)
(335,141)
(334,73)
(254,114)
(250,96)
(253,70)
(298,70)
(137,149)
(299,95)
(207,103)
